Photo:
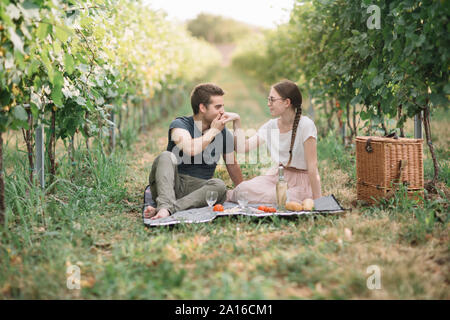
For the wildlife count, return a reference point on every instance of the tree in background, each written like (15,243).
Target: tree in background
(218,29)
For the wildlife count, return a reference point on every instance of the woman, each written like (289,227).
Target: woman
(291,140)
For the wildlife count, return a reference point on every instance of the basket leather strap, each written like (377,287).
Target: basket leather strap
(403,164)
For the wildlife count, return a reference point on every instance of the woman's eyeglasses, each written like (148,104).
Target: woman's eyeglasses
(272,99)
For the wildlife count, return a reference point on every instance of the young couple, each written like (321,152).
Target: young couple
(181,176)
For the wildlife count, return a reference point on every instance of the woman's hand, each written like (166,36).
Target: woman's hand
(230,116)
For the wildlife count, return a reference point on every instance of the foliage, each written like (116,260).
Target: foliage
(89,56)
(420,216)
(328,48)
(218,29)
(250,55)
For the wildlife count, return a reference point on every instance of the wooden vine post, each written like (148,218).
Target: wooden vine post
(39,168)
(2,183)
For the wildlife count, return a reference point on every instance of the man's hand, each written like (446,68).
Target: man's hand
(218,124)
(192,147)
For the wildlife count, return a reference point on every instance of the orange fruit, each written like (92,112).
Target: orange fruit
(218,207)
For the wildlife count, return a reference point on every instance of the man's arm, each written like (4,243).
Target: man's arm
(233,168)
(189,146)
(192,147)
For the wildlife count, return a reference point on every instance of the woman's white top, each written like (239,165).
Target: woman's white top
(278,144)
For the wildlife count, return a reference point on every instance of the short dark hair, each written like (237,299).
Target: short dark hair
(202,94)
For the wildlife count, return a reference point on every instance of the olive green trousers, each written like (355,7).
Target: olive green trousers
(177,192)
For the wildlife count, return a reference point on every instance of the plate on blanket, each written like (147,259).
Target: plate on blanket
(323,205)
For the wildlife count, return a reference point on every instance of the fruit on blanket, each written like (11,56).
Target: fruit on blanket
(308,204)
(267,209)
(218,207)
(294,206)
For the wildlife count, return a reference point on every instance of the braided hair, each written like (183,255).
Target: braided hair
(289,89)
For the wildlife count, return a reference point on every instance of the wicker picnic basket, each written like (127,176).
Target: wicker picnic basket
(382,163)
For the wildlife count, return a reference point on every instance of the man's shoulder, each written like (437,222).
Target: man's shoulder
(182,122)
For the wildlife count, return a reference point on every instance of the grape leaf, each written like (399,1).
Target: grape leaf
(20,113)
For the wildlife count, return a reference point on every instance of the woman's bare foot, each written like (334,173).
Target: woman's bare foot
(162,213)
(149,212)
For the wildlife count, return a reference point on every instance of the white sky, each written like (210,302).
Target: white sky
(263,13)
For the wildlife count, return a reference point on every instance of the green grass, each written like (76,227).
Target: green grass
(92,219)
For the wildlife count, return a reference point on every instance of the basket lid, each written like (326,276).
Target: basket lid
(391,140)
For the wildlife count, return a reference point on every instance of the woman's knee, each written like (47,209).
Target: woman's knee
(243,186)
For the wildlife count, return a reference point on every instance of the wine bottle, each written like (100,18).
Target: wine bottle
(281,190)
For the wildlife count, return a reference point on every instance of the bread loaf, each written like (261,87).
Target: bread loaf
(308,204)
(294,206)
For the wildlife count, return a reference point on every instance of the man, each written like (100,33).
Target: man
(181,176)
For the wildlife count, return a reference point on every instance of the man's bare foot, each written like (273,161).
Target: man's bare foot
(162,213)
(149,212)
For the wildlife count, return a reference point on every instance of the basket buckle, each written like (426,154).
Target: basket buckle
(369,148)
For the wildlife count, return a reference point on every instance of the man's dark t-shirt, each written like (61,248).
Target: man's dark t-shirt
(201,165)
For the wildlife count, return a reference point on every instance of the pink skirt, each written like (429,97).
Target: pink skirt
(262,189)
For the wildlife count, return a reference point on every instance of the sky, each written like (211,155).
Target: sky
(262,13)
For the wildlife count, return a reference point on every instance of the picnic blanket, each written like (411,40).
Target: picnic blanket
(323,205)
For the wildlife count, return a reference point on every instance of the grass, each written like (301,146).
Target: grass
(92,220)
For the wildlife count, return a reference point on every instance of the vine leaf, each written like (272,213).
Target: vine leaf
(13,12)
(20,113)
(62,33)
(43,30)
(16,40)
(69,63)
